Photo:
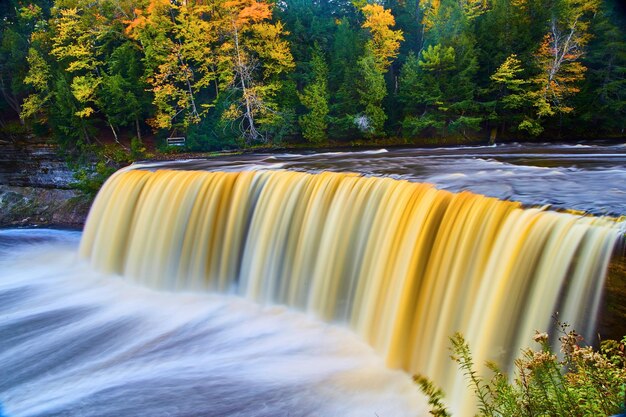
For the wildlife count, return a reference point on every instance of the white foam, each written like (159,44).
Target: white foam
(81,343)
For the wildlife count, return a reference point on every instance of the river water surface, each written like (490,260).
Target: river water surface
(74,342)
(589,178)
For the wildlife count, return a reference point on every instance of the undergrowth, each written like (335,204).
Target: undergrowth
(580,381)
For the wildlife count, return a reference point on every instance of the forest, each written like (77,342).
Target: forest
(236,73)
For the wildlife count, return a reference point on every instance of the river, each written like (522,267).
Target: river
(77,342)
(589,178)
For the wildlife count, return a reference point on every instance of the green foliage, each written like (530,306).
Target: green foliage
(245,72)
(602,101)
(438,85)
(515,104)
(372,90)
(315,99)
(102,162)
(90,180)
(583,382)
(343,75)
(435,396)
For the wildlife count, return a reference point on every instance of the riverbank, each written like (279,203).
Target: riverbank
(36,187)
(37,206)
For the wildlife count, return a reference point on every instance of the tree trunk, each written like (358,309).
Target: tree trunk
(12,101)
(242,71)
(114,132)
(138,128)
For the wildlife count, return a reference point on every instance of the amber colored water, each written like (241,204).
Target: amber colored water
(402,264)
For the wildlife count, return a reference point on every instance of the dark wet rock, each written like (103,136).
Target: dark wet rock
(612,320)
(36,187)
(29,206)
(33,165)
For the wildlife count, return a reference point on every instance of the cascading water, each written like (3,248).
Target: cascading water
(403,264)
(77,343)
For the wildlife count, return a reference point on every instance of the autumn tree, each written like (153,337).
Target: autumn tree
(380,50)
(559,57)
(252,58)
(179,42)
(384,42)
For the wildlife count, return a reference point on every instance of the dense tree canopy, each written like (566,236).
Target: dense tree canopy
(228,72)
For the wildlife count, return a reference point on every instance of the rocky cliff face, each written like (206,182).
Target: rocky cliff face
(35,187)
(37,165)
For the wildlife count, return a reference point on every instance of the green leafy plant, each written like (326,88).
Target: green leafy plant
(580,381)
(435,396)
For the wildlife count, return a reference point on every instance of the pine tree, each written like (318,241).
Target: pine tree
(445,74)
(315,99)
(602,100)
(343,75)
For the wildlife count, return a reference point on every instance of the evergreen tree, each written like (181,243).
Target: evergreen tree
(602,100)
(445,74)
(343,75)
(315,99)
(372,90)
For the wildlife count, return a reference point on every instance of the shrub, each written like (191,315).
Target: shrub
(580,381)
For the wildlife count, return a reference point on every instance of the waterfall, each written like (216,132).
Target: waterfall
(402,264)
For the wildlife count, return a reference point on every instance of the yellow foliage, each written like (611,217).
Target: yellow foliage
(385,42)
(85,112)
(430,9)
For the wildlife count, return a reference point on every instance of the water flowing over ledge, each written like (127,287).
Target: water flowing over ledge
(77,343)
(403,264)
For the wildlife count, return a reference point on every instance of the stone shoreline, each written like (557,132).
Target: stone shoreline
(36,187)
(36,206)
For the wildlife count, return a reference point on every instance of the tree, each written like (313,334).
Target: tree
(315,99)
(384,42)
(380,50)
(515,99)
(179,45)
(343,74)
(559,57)
(422,88)
(123,97)
(602,100)
(443,73)
(372,90)
(15,32)
(253,56)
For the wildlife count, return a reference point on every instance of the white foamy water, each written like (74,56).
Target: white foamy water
(74,342)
